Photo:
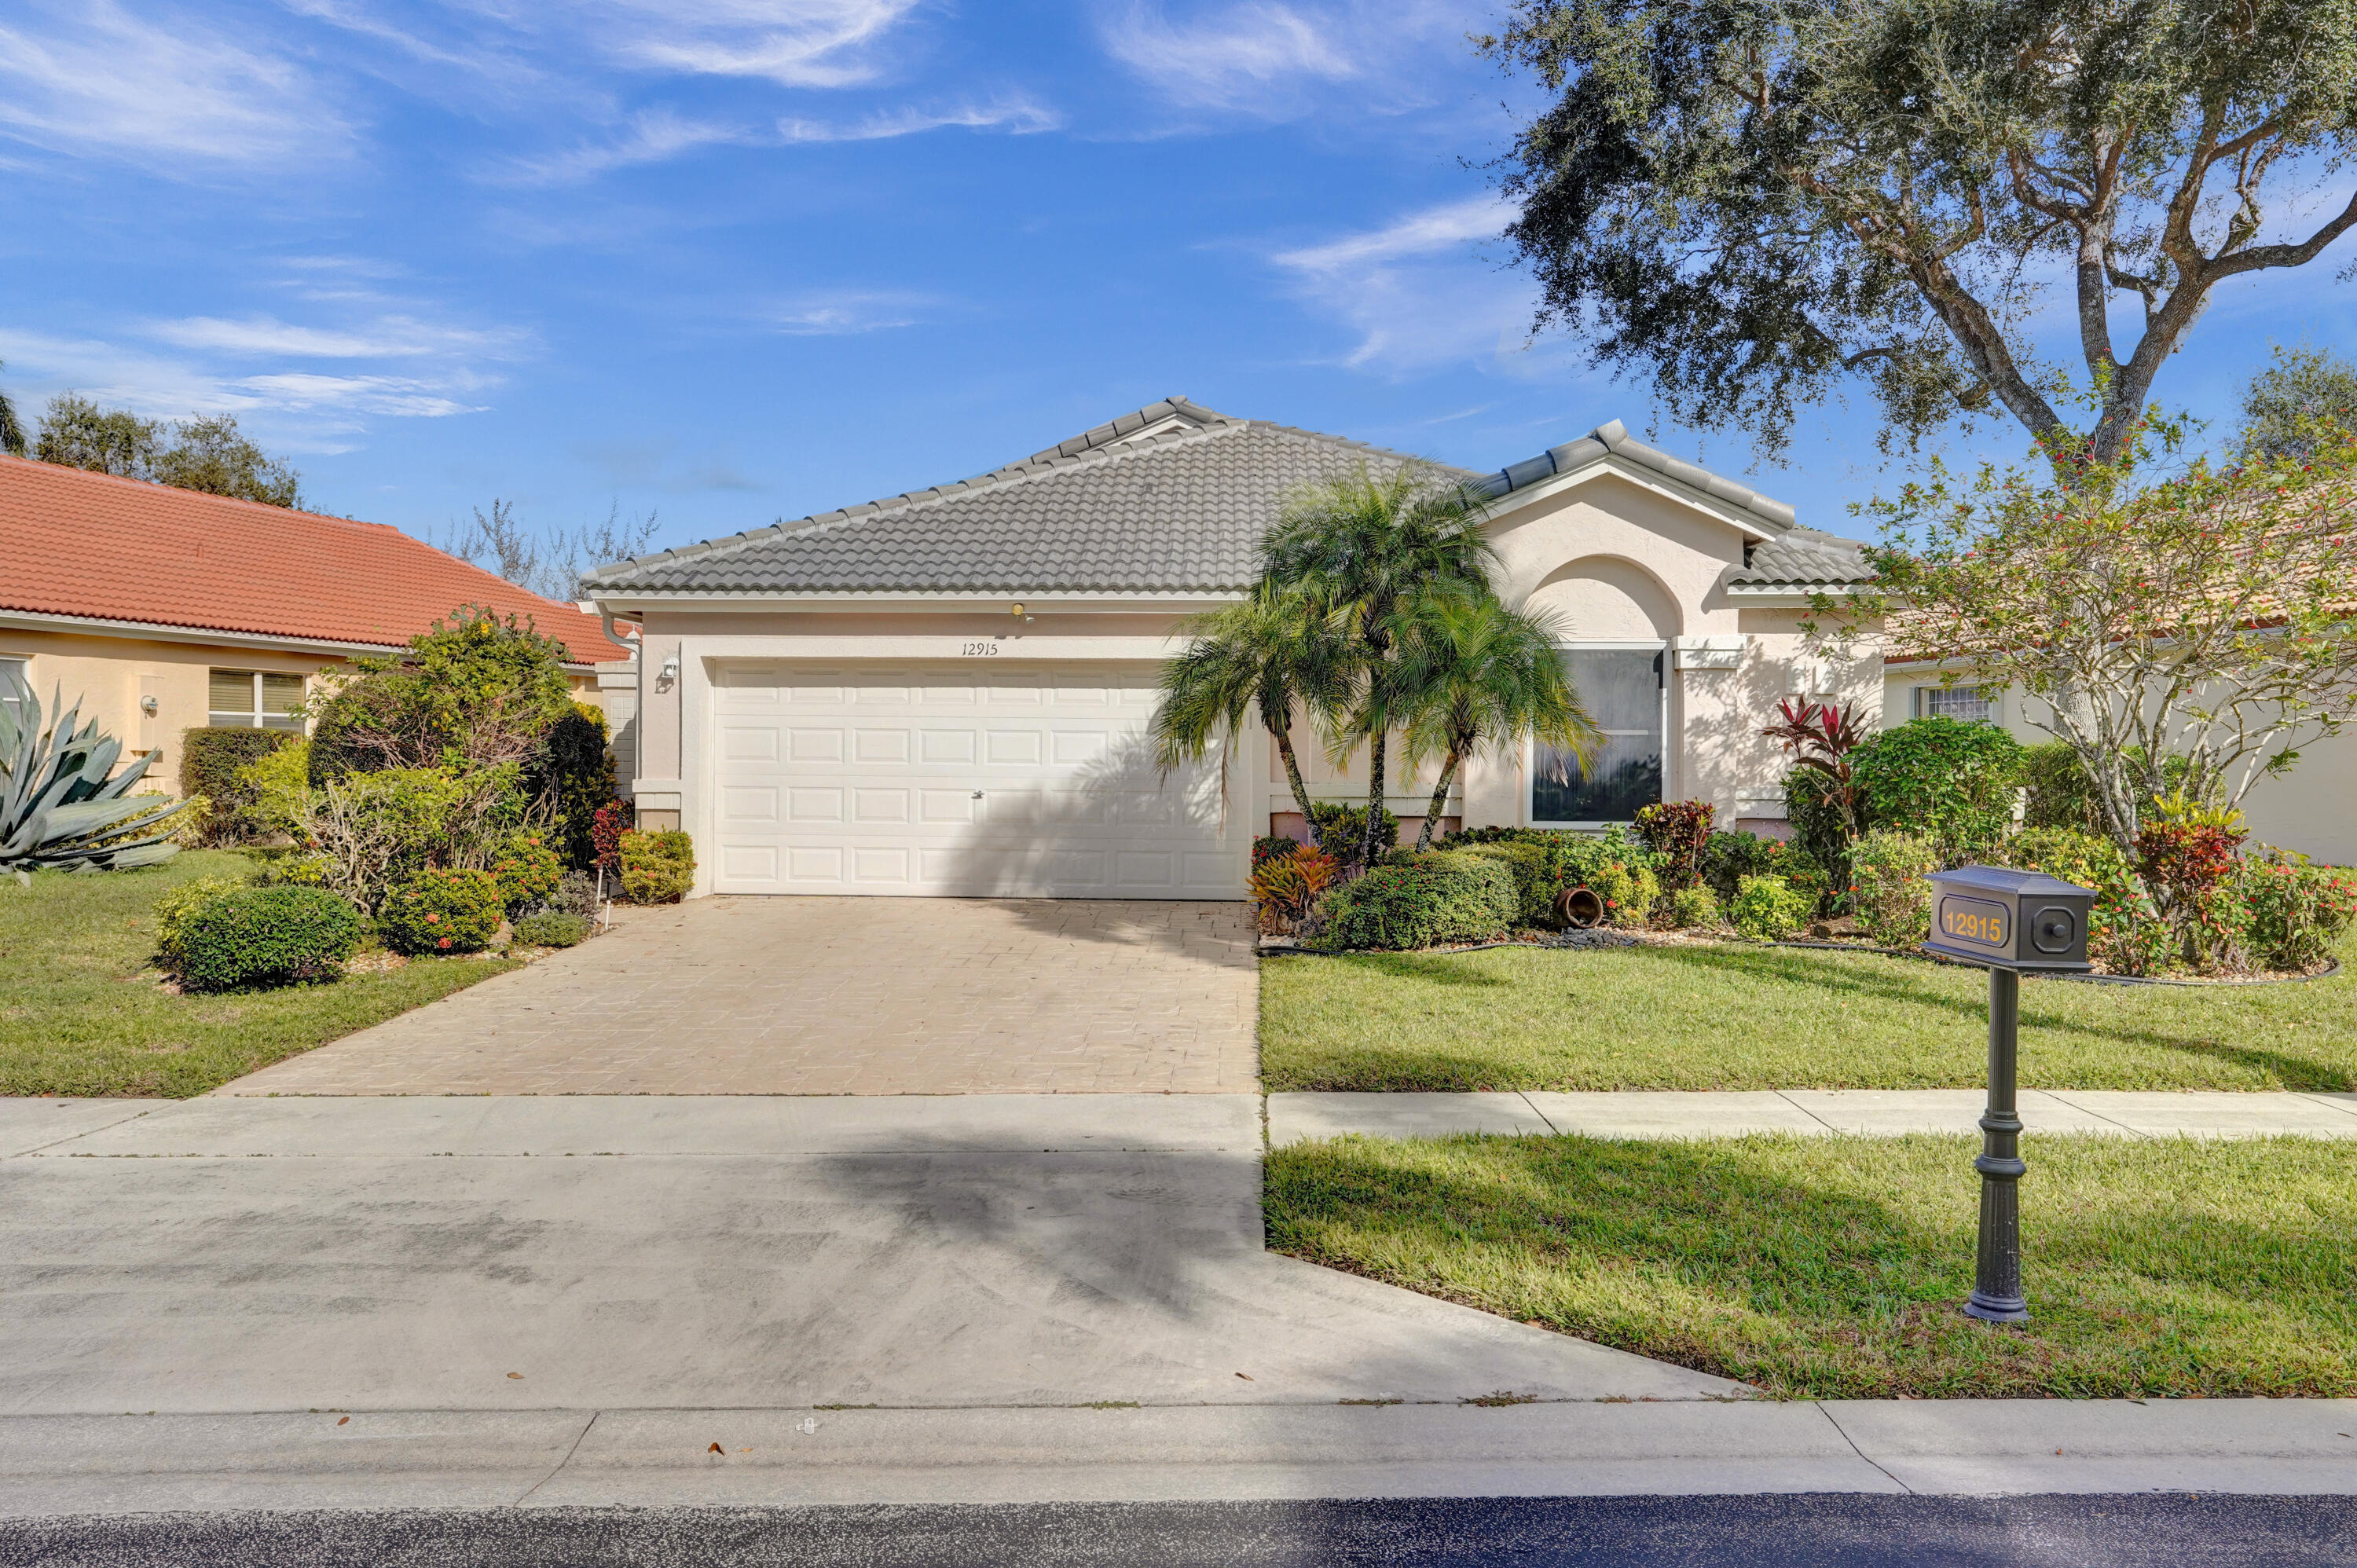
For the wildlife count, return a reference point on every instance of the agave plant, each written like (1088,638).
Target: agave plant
(59,809)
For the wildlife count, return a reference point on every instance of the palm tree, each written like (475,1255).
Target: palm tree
(1270,654)
(1474,676)
(1362,549)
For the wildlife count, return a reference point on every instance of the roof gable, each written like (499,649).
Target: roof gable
(95,547)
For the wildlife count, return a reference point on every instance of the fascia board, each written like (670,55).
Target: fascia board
(626,601)
(1660,485)
(208,637)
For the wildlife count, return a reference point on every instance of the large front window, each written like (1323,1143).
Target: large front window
(1621,690)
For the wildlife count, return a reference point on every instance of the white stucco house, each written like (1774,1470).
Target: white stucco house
(946,692)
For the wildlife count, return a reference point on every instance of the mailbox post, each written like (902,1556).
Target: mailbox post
(2007,921)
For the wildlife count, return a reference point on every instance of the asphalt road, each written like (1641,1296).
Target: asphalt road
(1822,1530)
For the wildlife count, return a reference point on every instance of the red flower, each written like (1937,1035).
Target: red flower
(444,942)
(433,920)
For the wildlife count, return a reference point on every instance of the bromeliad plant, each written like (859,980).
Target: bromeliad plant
(59,809)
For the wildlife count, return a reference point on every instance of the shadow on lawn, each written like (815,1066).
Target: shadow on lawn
(1711,1256)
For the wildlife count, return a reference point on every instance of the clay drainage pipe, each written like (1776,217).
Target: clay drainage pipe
(1580,909)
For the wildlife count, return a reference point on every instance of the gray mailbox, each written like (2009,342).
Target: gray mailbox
(2009,920)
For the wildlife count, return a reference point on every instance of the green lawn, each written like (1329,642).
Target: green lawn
(1730,1015)
(1834,1267)
(81,1013)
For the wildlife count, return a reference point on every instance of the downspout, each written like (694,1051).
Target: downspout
(638,703)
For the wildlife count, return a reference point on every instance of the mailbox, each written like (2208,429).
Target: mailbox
(2009,920)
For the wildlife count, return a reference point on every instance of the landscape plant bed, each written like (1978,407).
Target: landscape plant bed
(83,1012)
(1833,1268)
(1723,1015)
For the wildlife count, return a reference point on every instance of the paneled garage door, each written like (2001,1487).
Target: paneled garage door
(1003,781)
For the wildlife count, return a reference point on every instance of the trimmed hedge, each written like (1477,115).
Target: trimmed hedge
(658,867)
(251,937)
(1766,909)
(441,912)
(1420,901)
(552,929)
(527,871)
(575,774)
(210,760)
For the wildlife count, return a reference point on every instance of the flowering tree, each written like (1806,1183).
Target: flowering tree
(2192,634)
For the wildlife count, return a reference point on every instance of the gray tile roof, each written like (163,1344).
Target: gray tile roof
(1172,497)
(1802,558)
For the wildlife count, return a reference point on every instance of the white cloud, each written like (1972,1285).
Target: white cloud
(796,43)
(391,337)
(1016,116)
(1419,292)
(847,313)
(1274,59)
(656,135)
(401,396)
(96,79)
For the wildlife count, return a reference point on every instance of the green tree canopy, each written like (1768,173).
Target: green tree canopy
(206,452)
(1757,204)
(476,691)
(2299,402)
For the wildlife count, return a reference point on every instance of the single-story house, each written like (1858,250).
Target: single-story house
(162,610)
(2310,808)
(947,692)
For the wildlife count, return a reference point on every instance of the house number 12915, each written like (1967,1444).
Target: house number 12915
(980,649)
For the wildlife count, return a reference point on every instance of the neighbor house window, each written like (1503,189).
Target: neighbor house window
(1621,690)
(1966,704)
(255,699)
(11,690)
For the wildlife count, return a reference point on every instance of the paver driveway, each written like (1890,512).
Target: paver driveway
(837,996)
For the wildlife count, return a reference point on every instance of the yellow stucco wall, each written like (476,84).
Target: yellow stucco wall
(109,675)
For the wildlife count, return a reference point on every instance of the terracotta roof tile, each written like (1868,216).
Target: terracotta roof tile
(76,543)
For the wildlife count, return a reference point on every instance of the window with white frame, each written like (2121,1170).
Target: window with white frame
(1966,704)
(1621,689)
(14,693)
(255,699)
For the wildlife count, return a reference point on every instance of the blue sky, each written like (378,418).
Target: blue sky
(733,259)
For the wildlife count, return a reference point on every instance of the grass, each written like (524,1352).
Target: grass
(1834,1267)
(81,1014)
(1728,1016)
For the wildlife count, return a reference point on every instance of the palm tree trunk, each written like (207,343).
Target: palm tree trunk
(1283,735)
(1439,799)
(1382,733)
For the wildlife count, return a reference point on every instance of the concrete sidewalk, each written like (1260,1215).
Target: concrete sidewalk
(1295,1118)
(740,1457)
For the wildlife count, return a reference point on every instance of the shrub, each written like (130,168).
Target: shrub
(177,905)
(2061,794)
(1821,829)
(2125,931)
(1341,831)
(475,690)
(1285,888)
(1767,909)
(376,831)
(1629,892)
(265,936)
(607,826)
(2188,855)
(1676,832)
(1949,781)
(2295,909)
(298,871)
(657,867)
(441,912)
(1420,901)
(1695,907)
(551,930)
(210,761)
(1539,871)
(528,871)
(1887,891)
(1269,846)
(575,894)
(572,777)
(1729,858)
(276,790)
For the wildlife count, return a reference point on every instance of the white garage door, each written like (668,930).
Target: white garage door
(1001,781)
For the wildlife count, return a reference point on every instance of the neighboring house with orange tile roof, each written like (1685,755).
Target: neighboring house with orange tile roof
(162,610)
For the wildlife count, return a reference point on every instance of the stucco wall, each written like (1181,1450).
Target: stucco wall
(2312,808)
